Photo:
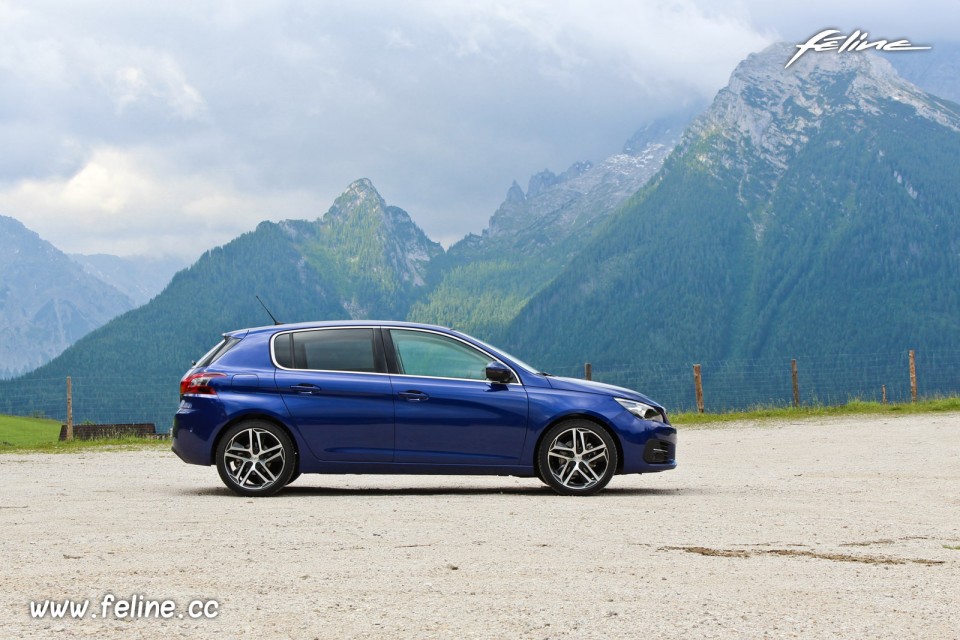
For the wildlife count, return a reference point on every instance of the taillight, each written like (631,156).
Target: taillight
(199,383)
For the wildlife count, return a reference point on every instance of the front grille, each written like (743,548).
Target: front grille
(658,451)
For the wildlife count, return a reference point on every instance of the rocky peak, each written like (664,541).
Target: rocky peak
(774,110)
(360,196)
(540,181)
(366,235)
(663,132)
(576,170)
(515,194)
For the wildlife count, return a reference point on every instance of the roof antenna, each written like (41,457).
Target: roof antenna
(275,321)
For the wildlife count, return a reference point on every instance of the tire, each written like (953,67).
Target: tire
(577,458)
(239,458)
(539,471)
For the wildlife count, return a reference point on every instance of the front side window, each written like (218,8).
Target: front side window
(327,350)
(429,354)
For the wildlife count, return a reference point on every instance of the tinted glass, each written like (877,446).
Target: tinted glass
(283,350)
(429,354)
(214,354)
(328,350)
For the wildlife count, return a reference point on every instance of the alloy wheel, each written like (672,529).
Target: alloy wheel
(578,458)
(254,458)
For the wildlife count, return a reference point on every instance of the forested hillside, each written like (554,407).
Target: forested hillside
(484,280)
(360,259)
(827,228)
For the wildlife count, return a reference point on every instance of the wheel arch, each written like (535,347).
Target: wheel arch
(264,417)
(580,416)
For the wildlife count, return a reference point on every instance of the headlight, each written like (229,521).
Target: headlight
(641,410)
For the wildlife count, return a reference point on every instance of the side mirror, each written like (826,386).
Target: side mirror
(499,372)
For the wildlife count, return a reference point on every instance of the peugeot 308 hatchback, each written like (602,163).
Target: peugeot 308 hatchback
(267,404)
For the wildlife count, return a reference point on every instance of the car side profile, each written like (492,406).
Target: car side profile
(270,403)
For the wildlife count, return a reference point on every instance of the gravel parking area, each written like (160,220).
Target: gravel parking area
(834,528)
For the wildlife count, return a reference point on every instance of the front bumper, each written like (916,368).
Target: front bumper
(648,446)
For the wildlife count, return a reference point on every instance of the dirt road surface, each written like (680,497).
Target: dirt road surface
(830,528)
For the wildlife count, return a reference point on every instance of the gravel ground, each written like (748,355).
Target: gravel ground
(832,528)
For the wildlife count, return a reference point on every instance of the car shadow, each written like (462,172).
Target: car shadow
(294,491)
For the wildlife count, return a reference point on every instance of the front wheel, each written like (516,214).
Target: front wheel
(256,458)
(577,458)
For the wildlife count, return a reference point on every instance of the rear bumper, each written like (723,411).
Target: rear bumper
(194,427)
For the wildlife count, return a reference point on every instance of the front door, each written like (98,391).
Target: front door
(446,411)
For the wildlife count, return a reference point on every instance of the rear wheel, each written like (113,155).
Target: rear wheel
(577,458)
(256,458)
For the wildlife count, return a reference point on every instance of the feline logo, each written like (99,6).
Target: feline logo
(856,41)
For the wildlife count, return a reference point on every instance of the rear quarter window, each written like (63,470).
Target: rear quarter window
(218,351)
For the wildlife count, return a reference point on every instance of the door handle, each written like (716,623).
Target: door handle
(414,396)
(306,389)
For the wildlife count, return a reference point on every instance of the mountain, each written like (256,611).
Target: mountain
(936,71)
(376,256)
(807,211)
(361,259)
(47,301)
(139,277)
(484,280)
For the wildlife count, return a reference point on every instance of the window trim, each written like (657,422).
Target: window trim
(378,351)
(394,365)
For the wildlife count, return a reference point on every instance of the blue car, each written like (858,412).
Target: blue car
(267,404)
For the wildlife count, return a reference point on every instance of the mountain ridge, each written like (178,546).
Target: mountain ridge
(783,220)
(767,236)
(534,234)
(47,301)
(137,277)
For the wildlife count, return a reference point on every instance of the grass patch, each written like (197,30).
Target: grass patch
(18,432)
(952,547)
(852,408)
(40,435)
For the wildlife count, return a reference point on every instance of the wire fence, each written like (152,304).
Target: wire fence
(727,385)
(833,379)
(97,399)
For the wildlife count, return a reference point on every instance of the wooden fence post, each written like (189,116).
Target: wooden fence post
(69,408)
(588,371)
(913,376)
(698,382)
(796,382)
(883,394)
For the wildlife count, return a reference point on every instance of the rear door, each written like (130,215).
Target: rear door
(334,384)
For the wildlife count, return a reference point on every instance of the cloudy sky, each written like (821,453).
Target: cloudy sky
(133,127)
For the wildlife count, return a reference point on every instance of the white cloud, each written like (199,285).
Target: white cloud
(919,21)
(128,203)
(141,118)
(157,77)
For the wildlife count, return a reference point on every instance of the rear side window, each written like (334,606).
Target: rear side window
(328,350)
(217,352)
